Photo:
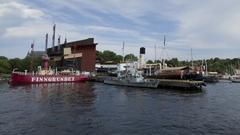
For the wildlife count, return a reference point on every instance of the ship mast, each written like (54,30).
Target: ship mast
(164,47)
(191,58)
(32,55)
(123,52)
(155,51)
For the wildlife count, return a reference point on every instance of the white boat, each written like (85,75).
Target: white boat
(235,79)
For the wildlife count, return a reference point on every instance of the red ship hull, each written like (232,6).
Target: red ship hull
(21,78)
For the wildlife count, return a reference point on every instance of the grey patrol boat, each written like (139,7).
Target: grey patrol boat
(131,77)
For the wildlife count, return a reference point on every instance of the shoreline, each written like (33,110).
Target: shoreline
(4,77)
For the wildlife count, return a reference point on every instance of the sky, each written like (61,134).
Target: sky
(210,27)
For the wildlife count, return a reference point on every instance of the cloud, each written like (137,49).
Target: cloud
(17,9)
(201,25)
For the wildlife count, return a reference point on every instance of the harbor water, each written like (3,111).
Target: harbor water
(96,108)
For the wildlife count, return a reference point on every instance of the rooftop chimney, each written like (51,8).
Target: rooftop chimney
(141,58)
(53,38)
(46,42)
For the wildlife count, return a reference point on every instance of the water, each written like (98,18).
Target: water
(95,108)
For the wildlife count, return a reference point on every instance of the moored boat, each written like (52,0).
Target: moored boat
(235,79)
(26,78)
(131,77)
(46,75)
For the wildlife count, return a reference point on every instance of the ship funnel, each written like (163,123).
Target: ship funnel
(142,58)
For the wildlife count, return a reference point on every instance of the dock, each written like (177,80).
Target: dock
(186,84)
(168,83)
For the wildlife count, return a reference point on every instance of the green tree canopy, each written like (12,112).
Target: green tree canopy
(130,57)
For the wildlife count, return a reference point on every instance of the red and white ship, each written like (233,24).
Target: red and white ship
(46,76)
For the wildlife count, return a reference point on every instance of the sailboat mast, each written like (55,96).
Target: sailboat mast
(123,51)
(191,57)
(155,49)
(164,47)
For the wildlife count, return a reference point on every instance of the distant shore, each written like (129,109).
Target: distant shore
(4,77)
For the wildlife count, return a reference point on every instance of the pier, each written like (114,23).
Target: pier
(168,83)
(186,84)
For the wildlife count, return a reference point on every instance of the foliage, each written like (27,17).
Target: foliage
(109,56)
(214,64)
(4,66)
(130,57)
(7,65)
(150,62)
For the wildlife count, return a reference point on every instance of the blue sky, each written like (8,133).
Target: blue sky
(210,28)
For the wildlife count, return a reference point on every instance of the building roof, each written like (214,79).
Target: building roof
(89,41)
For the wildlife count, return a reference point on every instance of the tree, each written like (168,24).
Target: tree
(15,63)
(149,62)
(173,62)
(99,56)
(108,55)
(130,57)
(118,59)
(4,66)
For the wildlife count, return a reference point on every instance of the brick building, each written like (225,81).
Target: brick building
(79,55)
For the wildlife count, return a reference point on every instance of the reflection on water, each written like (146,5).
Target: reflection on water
(96,108)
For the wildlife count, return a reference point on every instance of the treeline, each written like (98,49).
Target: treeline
(221,66)
(7,65)
(214,64)
(111,57)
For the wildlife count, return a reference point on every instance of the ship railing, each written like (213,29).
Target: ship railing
(59,73)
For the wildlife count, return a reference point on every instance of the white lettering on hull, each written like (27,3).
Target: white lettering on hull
(53,79)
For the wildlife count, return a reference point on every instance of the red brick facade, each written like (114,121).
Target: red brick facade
(88,49)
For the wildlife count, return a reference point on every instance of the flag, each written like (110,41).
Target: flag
(32,45)
(59,39)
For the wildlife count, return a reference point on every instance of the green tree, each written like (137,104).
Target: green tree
(15,63)
(173,62)
(108,55)
(4,65)
(149,62)
(130,57)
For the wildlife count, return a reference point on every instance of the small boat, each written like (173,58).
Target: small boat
(235,79)
(132,78)
(46,75)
